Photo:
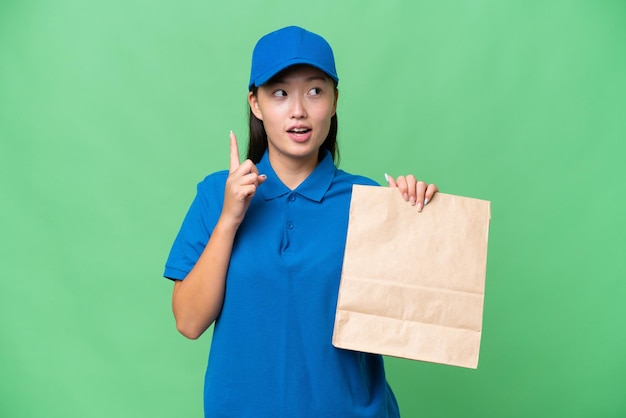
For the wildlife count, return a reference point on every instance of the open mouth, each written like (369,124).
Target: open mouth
(298,130)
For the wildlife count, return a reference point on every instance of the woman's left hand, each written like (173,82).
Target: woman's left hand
(416,192)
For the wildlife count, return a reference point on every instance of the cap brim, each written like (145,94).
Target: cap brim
(266,76)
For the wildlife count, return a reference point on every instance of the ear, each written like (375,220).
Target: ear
(253,101)
(335,103)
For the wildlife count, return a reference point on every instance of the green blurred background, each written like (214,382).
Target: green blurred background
(112,111)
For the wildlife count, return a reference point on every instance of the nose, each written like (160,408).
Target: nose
(298,109)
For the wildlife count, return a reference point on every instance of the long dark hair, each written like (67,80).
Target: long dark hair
(257,143)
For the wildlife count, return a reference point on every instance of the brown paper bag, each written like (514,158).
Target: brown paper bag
(413,284)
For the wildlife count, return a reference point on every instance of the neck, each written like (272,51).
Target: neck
(292,172)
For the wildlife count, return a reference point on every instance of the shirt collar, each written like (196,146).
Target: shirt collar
(314,187)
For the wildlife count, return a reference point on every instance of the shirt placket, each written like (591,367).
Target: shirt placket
(290,225)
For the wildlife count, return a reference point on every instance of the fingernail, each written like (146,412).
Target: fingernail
(412,201)
(263,175)
(406,196)
(419,207)
(386,178)
(425,201)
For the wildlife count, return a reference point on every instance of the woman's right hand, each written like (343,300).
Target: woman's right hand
(197,300)
(241,185)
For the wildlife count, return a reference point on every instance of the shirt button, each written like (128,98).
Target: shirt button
(289,225)
(292,198)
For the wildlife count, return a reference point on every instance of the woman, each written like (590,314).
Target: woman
(261,248)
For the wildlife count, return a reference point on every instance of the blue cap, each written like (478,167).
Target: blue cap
(286,47)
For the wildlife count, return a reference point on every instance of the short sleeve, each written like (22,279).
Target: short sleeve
(197,226)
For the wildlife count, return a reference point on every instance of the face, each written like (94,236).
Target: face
(296,108)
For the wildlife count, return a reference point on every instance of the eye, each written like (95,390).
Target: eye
(315,91)
(279,93)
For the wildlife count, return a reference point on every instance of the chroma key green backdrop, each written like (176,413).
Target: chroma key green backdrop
(112,111)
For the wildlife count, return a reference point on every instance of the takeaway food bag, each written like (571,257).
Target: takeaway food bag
(412,283)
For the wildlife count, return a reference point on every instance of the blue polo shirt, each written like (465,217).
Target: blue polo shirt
(271,352)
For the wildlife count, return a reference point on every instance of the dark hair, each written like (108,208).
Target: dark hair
(257,140)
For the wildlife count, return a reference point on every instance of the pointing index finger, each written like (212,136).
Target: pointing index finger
(234,152)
